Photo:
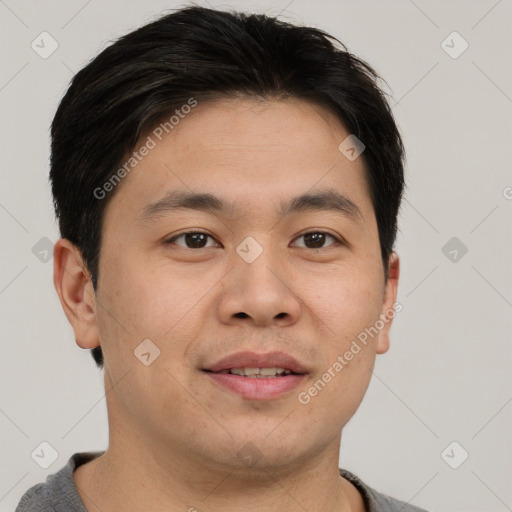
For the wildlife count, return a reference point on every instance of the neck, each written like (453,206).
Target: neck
(144,470)
(163,480)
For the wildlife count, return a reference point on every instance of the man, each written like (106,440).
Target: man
(227,187)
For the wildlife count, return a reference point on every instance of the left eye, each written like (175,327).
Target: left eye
(193,240)
(315,240)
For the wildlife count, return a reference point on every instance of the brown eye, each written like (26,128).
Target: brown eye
(315,240)
(192,240)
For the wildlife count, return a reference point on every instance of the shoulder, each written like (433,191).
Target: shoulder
(59,492)
(36,499)
(388,504)
(376,501)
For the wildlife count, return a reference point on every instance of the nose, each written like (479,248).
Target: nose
(259,293)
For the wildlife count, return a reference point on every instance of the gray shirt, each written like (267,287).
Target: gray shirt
(59,492)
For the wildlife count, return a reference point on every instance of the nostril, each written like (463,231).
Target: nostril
(241,315)
(281,315)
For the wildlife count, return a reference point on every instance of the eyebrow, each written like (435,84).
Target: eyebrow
(321,200)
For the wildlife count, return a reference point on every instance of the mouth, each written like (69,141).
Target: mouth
(258,373)
(251,363)
(257,376)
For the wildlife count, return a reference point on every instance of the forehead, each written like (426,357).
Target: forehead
(247,151)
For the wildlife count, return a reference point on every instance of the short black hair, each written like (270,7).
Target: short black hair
(208,54)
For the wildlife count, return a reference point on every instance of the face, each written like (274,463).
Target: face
(279,254)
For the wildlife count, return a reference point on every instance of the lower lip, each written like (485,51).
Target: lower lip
(259,388)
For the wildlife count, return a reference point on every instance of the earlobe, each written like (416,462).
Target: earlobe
(74,287)
(389,308)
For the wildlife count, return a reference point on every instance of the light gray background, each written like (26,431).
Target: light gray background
(447,376)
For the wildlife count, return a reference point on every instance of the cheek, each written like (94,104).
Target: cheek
(347,305)
(347,300)
(149,298)
(332,397)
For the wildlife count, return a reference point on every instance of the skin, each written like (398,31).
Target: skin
(173,433)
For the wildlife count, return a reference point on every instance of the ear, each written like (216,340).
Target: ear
(74,287)
(389,307)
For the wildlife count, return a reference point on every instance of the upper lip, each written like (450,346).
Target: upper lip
(254,360)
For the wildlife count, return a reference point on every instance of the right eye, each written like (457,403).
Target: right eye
(192,240)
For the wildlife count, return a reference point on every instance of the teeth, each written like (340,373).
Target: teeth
(258,372)
(271,371)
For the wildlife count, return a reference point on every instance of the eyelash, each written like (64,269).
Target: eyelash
(175,237)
